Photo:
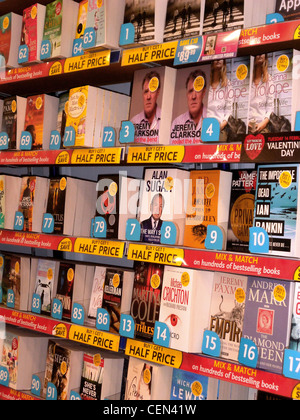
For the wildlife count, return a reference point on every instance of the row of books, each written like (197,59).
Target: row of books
(53,28)
(102,376)
(189,302)
(87,110)
(192,201)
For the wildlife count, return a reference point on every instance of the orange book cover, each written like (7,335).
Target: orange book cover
(34,120)
(202,209)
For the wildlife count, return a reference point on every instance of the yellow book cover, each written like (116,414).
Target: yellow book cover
(202,209)
(77,113)
(81,20)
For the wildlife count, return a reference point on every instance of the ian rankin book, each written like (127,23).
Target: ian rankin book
(163,199)
(208,204)
(268,314)
(227,312)
(242,203)
(276,207)
(184,308)
(146,297)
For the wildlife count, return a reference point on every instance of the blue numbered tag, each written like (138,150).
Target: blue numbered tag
(26,141)
(4,140)
(89,38)
(55,140)
(274,18)
(48,223)
(168,233)
(36,386)
(74,396)
(127,132)
(248,353)
(127,34)
(57,309)
(23,55)
(127,326)
(69,137)
(102,320)
(19,221)
(188,51)
(214,238)
(109,137)
(297,123)
(99,228)
(291,364)
(4,376)
(51,393)
(211,344)
(46,50)
(210,130)
(77,314)
(133,230)
(259,242)
(36,304)
(77,49)
(162,334)
(10,300)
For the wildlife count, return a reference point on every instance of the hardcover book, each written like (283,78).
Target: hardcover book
(241,215)
(276,207)
(208,204)
(267,322)
(184,307)
(32,30)
(227,312)
(146,297)
(163,200)
(182,20)
(13,119)
(192,87)
(153,93)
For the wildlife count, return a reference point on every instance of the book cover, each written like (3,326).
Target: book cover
(44,285)
(290,10)
(183,19)
(227,312)
(295,325)
(62,113)
(108,202)
(53,26)
(61,371)
(271,93)
(112,297)
(34,120)
(142,15)
(241,214)
(276,207)
(26,201)
(139,381)
(96,19)
(11,279)
(2,201)
(192,87)
(29,34)
(96,294)
(49,364)
(65,288)
(223,16)
(5,39)
(56,203)
(9,120)
(92,377)
(10,357)
(146,297)
(267,321)
(188,386)
(208,204)
(81,19)
(163,200)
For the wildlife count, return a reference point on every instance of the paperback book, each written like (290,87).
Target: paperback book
(46,277)
(223,16)
(15,282)
(96,299)
(13,119)
(32,30)
(65,288)
(81,18)
(182,20)
(188,386)
(289,10)
(11,27)
(108,202)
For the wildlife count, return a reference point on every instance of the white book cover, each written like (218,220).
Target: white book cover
(129,202)
(163,199)
(12,195)
(153,93)
(190,105)
(147,381)
(96,297)
(227,312)
(184,307)
(45,275)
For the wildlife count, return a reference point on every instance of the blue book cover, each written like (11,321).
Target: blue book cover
(276,206)
(188,386)
(267,320)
